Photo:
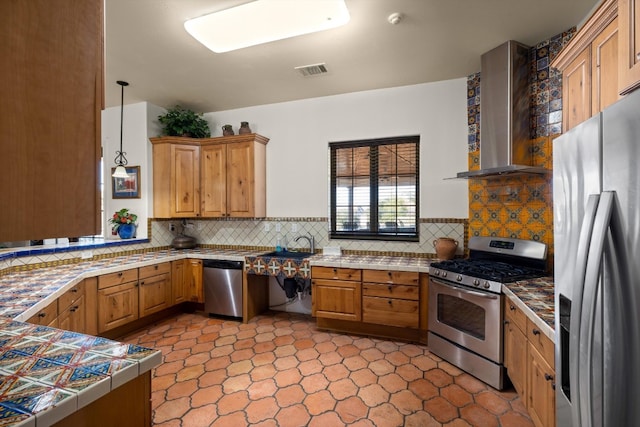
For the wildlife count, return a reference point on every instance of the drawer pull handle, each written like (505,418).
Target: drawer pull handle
(74,290)
(120,274)
(42,315)
(536,332)
(142,283)
(506,322)
(73,309)
(512,307)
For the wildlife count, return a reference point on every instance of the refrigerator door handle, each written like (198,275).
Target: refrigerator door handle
(576,304)
(587,319)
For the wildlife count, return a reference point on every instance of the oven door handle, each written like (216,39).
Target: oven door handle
(464,290)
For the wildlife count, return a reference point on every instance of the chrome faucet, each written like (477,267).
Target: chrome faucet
(310,239)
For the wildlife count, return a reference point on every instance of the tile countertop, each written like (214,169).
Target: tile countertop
(535,297)
(47,374)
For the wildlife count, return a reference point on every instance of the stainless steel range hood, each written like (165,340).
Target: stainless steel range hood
(505,145)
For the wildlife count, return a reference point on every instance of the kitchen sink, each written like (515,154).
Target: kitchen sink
(288,254)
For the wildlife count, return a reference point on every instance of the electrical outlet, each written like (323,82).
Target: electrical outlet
(172,227)
(267,226)
(294,228)
(86,254)
(278,227)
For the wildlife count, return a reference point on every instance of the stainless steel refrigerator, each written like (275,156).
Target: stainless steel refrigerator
(596,197)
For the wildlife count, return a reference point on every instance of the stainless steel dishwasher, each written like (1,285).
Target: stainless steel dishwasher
(222,282)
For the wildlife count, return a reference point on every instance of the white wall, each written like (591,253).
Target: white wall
(299,131)
(135,143)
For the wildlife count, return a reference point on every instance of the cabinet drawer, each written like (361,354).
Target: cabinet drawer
(541,342)
(389,276)
(46,315)
(336,273)
(513,312)
(390,311)
(153,270)
(118,278)
(390,291)
(68,298)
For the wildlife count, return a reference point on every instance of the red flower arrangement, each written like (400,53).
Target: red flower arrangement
(122,217)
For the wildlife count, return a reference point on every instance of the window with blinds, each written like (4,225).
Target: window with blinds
(375,188)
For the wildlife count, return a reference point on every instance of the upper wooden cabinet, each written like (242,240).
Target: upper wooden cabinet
(629,65)
(52,97)
(589,66)
(209,177)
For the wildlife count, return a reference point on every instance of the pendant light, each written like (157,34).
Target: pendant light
(120,160)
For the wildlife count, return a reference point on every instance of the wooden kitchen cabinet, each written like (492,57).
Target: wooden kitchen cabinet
(391,298)
(155,288)
(48,316)
(209,177)
(179,288)
(72,309)
(52,97)
(336,293)
(629,45)
(515,347)
(529,359)
(540,394)
(193,280)
(117,299)
(589,65)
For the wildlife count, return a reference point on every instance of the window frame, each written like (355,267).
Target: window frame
(374,233)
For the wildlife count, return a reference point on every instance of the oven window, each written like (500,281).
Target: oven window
(462,315)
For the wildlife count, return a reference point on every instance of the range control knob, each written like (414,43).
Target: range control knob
(459,278)
(444,274)
(436,272)
(476,282)
(486,285)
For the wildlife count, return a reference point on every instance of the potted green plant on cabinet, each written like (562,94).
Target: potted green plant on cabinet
(180,121)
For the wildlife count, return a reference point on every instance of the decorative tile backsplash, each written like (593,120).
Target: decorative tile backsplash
(264,233)
(520,206)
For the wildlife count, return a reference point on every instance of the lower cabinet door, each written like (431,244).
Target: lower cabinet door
(515,356)
(336,299)
(117,306)
(540,390)
(73,318)
(155,294)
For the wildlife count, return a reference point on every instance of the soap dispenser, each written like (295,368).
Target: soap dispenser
(278,244)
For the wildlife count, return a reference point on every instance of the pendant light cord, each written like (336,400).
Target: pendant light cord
(120,159)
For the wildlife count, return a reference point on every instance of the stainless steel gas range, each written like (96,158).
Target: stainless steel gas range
(465,302)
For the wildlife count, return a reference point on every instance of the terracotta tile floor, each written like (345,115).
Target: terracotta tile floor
(281,371)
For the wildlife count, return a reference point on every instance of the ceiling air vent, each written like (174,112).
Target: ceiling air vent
(312,70)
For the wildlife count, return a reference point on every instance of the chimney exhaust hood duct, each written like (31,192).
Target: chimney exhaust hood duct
(505,146)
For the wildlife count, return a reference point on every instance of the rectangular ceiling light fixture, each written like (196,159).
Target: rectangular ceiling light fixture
(264,21)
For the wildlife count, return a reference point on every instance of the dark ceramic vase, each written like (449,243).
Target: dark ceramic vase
(227,130)
(244,128)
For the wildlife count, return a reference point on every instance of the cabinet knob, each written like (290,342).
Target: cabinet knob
(506,322)
(548,377)
(42,315)
(73,309)
(512,307)
(155,267)
(536,331)
(390,288)
(390,302)
(120,274)
(142,283)
(74,290)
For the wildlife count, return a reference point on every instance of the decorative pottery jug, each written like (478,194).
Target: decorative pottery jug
(227,130)
(445,247)
(244,128)
(127,231)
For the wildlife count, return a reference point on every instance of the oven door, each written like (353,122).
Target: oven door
(469,318)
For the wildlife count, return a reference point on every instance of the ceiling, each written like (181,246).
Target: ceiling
(146,45)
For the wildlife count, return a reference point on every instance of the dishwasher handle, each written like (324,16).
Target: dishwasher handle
(223,264)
